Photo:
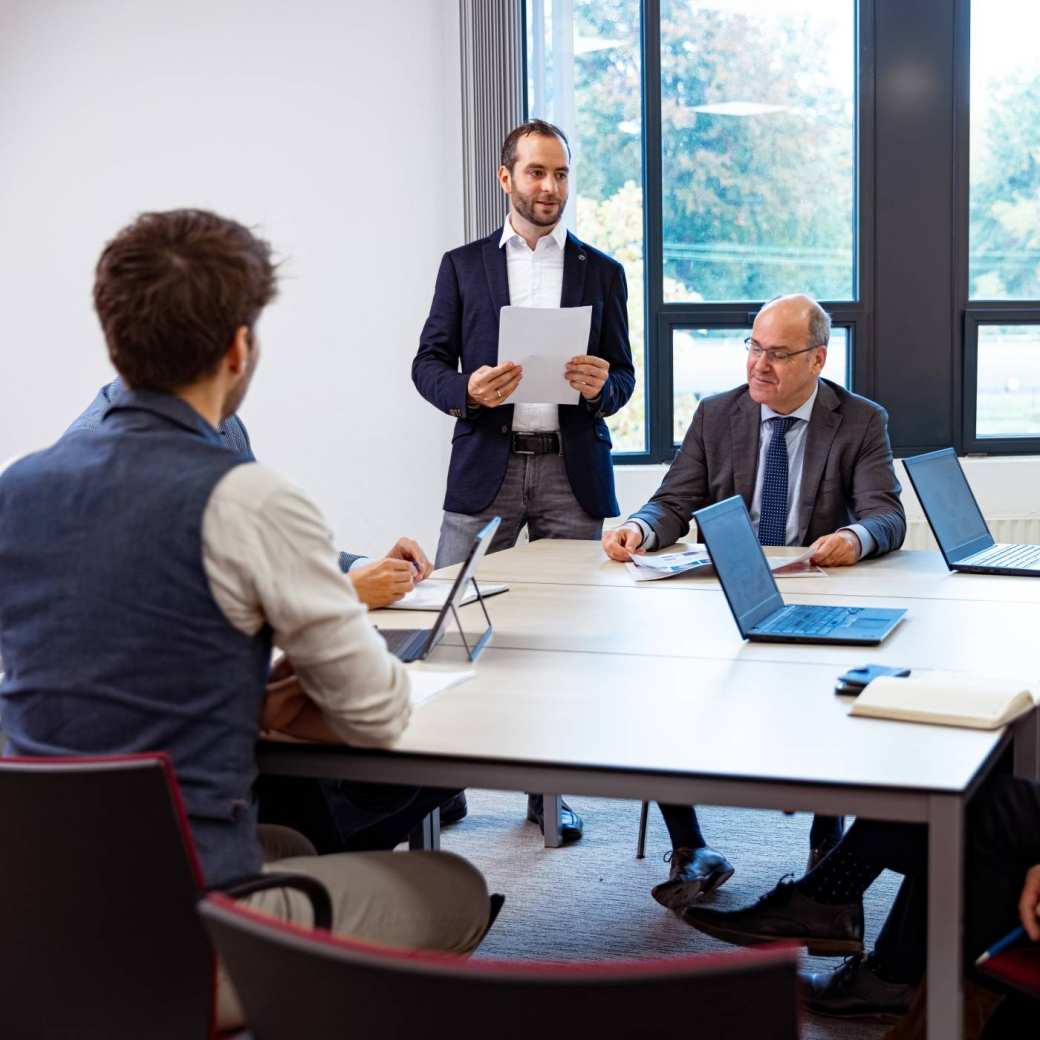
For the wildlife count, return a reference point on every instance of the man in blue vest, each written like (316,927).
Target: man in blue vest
(147,571)
(334,815)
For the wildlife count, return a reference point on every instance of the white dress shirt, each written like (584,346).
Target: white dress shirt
(270,559)
(535,280)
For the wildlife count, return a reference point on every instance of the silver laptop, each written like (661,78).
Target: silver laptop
(755,601)
(957,522)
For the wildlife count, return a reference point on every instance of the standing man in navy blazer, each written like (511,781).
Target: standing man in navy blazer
(545,465)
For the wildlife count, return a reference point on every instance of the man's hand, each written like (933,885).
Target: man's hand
(587,374)
(840,549)
(408,549)
(284,698)
(491,386)
(382,582)
(1029,904)
(621,542)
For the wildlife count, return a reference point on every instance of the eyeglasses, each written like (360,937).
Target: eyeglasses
(777,355)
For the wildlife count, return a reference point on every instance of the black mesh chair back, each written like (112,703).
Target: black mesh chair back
(297,983)
(99,883)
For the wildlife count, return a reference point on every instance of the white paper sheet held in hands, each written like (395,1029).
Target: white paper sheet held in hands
(696,562)
(427,681)
(947,699)
(542,340)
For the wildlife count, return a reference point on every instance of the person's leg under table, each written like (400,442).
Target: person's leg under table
(413,900)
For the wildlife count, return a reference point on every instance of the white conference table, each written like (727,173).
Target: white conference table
(594,685)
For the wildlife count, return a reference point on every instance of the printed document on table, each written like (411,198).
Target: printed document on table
(696,562)
(427,682)
(542,340)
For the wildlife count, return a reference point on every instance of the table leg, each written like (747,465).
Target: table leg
(1027,746)
(551,818)
(427,834)
(945,916)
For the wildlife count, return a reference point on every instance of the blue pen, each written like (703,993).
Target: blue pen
(999,947)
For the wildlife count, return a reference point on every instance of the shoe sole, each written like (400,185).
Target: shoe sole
(815,947)
(886,1017)
(677,895)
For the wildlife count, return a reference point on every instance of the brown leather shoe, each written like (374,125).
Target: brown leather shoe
(785,913)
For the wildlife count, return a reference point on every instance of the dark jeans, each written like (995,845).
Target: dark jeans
(343,815)
(684,828)
(1003,842)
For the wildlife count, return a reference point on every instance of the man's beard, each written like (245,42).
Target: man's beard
(525,206)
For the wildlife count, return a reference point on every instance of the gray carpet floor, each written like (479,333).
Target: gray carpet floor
(592,900)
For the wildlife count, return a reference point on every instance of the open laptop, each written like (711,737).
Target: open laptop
(413,644)
(756,603)
(957,522)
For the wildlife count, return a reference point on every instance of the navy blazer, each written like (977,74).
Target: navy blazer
(461,334)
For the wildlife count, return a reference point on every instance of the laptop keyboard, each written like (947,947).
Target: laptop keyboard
(809,621)
(406,644)
(1021,556)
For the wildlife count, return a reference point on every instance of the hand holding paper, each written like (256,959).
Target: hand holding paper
(587,374)
(491,386)
(543,341)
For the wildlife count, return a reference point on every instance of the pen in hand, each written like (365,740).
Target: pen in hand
(1001,945)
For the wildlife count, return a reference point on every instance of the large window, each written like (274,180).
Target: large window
(1002,338)
(714,154)
(879,155)
(757,148)
(585,75)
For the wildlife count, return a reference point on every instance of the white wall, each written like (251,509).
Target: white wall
(334,126)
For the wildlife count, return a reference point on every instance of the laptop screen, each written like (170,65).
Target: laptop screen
(478,547)
(739,562)
(946,498)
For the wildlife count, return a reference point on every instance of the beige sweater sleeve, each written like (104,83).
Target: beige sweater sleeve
(270,559)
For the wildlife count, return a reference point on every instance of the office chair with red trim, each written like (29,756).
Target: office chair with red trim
(99,880)
(294,982)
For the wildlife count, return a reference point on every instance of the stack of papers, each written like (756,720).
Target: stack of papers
(696,562)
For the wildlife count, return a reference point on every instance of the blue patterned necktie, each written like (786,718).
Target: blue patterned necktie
(772,517)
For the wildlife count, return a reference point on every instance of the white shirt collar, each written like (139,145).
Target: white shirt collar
(558,234)
(803,412)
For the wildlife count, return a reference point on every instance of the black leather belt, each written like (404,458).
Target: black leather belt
(536,443)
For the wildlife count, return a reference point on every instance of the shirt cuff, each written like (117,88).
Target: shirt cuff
(866,540)
(362,560)
(649,535)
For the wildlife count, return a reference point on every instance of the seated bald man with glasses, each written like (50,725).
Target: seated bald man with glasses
(813,463)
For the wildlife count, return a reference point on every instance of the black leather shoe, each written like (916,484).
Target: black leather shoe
(693,873)
(854,991)
(454,809)
(784,913)
(571,824)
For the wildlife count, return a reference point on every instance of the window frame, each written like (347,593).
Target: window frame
(913,329)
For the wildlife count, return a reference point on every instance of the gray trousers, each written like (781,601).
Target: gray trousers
(536,492)
(417,900)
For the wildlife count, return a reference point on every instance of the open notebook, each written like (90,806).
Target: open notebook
(947,699)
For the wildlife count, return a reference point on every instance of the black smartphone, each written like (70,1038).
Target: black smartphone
(855,679)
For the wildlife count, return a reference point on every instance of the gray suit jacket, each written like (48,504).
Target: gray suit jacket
(847,475)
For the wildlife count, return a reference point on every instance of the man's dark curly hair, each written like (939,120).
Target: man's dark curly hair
(171,290)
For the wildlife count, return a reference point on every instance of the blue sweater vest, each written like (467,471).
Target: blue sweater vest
(110,637)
